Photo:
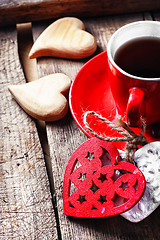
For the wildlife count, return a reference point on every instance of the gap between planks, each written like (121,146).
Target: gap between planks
(29,66)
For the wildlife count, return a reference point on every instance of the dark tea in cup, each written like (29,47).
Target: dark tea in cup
(140,57)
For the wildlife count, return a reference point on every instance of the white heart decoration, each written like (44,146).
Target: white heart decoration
(147,160)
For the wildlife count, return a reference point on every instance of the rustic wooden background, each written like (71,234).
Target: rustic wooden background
(30,10)
(31,180)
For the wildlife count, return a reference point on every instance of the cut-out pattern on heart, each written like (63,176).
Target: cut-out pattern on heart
(44,99)
(147,160)
(102,185)
(65,38)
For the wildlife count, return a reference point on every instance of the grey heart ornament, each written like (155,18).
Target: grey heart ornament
(147,160)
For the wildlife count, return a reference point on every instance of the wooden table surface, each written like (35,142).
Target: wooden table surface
(31,178)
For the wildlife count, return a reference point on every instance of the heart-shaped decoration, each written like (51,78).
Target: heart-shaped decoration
(65,38)
(44,98)
(96,184)
(147,160)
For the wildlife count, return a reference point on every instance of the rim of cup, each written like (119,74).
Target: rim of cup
(131,27)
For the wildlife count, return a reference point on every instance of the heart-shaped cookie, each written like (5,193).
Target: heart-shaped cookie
(147,160)
(65,38)
(44,98)
(96,184)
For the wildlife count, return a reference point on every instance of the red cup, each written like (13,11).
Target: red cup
(134,96)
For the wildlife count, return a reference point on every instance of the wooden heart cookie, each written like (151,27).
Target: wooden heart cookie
(44,98)
(64,38)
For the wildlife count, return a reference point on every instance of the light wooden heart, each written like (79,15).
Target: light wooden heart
(65,38)
(44,98)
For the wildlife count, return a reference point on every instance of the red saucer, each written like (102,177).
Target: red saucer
(90,91)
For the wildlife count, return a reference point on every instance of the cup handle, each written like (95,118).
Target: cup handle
(134,106)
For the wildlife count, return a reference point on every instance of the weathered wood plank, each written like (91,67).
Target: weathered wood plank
(64,137)
(26,210)
(156,15)
(31,10)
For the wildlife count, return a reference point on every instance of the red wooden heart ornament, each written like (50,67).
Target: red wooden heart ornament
(97,184)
